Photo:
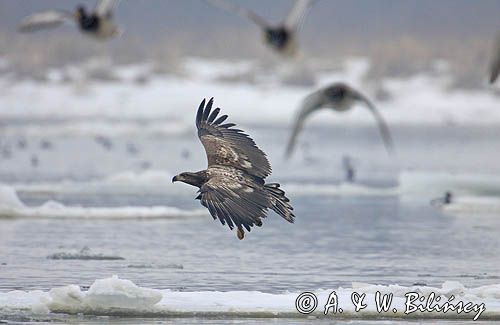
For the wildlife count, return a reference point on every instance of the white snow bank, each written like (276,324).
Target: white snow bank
(12,207)
(103,295)
(114,296)
(422,99)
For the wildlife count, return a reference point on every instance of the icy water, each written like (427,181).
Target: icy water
(380,230)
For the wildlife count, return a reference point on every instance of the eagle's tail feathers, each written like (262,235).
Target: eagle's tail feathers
(279,202)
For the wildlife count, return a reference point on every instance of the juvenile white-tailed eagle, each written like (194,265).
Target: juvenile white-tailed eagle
(232,188)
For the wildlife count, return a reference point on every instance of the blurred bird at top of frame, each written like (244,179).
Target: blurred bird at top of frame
(98,23)
(232,188)
(282,37)
(495,61)
(339,97)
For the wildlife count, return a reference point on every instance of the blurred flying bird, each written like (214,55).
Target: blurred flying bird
(98,23)
(232,188)
(495,61)
(339,97)
(282,37)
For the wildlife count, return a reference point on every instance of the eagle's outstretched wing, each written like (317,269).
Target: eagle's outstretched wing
(296,15)
(234,203)
(104,8)
(382,126)
(240,11)
(226,146)
(310,104)
(495,61)
(44,20)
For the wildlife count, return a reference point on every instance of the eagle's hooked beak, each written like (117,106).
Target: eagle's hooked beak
(175,179)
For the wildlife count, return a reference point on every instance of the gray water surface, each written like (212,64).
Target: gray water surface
(335,241)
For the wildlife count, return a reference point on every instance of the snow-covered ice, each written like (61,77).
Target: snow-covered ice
(115,296)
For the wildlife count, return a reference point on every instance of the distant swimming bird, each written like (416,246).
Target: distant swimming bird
(339,97)
(282,37)
(98,23)
(495,62)
(232,188)
(447,199)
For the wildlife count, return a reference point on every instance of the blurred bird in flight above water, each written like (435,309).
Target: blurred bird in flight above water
(232,188)
(339,97)
(495,61)
(282,37)
(98,23)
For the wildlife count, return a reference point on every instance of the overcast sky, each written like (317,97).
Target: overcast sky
(360,18)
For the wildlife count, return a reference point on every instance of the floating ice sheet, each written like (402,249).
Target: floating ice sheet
(115,296)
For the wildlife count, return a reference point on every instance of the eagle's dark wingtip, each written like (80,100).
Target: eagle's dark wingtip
(220,119)
(213,115)
(208,108)
(199,114)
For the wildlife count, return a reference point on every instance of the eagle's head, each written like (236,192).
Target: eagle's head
(195,179)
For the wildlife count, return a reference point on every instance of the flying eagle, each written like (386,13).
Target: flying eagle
(282,37)
(339,97)
(98,23)
(495,61)
(232,188)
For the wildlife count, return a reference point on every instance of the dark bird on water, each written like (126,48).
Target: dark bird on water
(495,61)
(98,23)
(339,97)
(282,37)
(445,200)
(232,188)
